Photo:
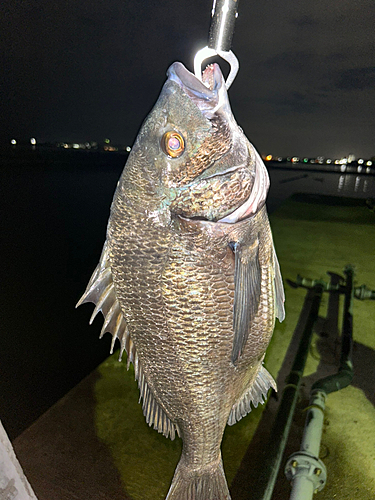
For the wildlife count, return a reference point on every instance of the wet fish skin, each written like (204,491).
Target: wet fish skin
(189,276)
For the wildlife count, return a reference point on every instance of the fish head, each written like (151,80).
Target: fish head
(200,164)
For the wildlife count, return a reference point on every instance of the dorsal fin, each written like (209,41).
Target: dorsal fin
(254,393)
(101,291)
(153,412)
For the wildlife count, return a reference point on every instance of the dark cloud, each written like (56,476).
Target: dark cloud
(90,69)
(293,102)
(296,61)
(356,79)
(305,22)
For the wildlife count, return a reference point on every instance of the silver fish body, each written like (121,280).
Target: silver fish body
(188,280)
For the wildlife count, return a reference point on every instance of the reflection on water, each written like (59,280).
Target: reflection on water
(285,183)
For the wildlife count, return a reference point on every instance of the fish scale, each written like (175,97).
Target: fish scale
(188,280)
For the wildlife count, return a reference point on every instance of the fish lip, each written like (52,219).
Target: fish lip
(197,91)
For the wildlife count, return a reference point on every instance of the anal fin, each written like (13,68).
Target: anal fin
(253,394)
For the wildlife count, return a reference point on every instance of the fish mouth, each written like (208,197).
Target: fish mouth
(209,94)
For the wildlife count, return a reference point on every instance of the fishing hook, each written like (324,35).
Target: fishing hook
(224,13)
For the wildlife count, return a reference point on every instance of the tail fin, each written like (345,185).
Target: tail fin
(192,484)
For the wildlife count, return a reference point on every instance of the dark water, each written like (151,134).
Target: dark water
(54,211)
(287,181)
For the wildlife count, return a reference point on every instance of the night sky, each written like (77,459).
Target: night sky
(88,69)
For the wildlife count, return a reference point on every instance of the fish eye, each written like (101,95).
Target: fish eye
(173,144)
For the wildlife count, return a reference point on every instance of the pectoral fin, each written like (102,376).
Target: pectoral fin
(278,289)
(247,280)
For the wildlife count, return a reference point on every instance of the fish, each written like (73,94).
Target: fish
(188,280)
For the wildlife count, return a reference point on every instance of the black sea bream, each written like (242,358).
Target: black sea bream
(188,280)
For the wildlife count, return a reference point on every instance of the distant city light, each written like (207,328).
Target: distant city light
(344,164)
(13,142)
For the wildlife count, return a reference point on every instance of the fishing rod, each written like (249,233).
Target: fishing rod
(224,14)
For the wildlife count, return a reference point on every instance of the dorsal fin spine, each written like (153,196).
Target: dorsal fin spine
(101,301)
(101,291)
